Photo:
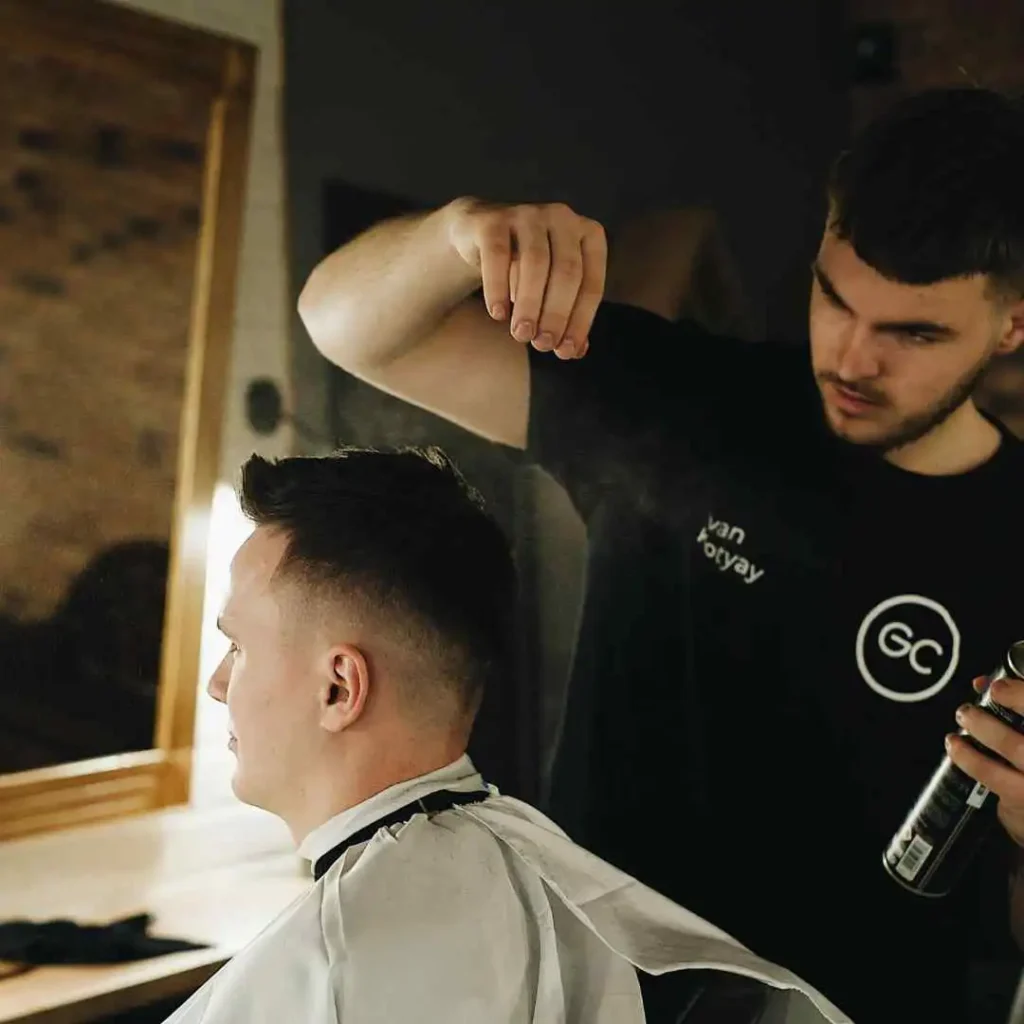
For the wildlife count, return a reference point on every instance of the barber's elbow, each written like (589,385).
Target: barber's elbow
(312,306)
(322,314)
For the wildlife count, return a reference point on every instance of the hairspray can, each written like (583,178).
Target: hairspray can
(954,813)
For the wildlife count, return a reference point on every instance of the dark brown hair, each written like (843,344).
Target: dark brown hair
(932,190)
(401,530)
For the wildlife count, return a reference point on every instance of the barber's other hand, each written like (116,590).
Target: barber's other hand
(1007,782)
(542,268)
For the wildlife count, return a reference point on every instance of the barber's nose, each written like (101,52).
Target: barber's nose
(217,687)
(859,356)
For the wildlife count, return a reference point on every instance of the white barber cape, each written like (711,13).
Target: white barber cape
(484,913)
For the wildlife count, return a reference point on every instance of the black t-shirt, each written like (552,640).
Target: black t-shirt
(778,628)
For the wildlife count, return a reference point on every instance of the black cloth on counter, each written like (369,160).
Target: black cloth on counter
(39,943)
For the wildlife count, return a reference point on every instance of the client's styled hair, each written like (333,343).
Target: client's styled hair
(401,531)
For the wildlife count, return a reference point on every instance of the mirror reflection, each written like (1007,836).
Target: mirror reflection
(100,188)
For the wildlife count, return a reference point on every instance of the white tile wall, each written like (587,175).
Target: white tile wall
(262,315)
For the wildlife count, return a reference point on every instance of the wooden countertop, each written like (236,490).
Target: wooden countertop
(216,876)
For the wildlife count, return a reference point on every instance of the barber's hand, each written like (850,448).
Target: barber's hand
(542,268)
(1006,782)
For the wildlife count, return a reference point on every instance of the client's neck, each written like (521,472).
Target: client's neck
(364,769)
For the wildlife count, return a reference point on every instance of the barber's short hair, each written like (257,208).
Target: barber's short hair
(402,532)
(931,190)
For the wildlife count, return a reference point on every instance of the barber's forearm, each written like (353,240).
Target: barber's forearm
(376,297)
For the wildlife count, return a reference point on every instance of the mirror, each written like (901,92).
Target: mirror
(123,154)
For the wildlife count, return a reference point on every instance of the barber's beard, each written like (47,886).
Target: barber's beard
(913,428)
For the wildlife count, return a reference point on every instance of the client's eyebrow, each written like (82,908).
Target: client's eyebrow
(223,627)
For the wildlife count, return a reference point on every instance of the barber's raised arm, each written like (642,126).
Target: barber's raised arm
(396,307)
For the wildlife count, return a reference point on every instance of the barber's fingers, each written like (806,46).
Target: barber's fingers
(594,251)
(563,285)
(575,281)
(542,267)
(993,734)
(494,247)
(576,270)
(533,264)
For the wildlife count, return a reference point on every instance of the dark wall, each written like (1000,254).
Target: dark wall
(734,102)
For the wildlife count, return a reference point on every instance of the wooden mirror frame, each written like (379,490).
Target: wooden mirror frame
(220,72)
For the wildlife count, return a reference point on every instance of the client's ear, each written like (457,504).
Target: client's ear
(345,683)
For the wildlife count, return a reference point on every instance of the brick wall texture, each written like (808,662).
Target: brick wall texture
(99,202)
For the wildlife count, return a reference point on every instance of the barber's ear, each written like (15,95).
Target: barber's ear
(1013,337)
(344,687)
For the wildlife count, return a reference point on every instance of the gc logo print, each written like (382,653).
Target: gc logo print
(908,648)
